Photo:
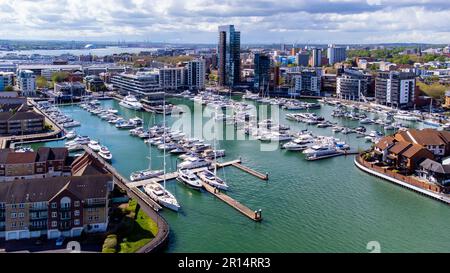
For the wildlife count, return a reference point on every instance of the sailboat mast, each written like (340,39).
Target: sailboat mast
(164,138)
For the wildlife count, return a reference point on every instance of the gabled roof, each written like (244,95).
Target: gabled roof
(434,166)
(21,158)
(426,136)
(399,147)
(413,150)
(44,189)
(385,142)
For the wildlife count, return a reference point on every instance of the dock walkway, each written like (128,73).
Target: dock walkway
(254,215)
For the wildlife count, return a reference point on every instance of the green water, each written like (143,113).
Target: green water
(321,206)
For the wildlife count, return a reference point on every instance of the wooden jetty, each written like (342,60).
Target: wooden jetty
(340,153)
(254,215)
(251,171)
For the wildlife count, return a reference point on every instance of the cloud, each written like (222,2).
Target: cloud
(319,21)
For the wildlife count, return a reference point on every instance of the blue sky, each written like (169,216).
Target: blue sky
(196,21)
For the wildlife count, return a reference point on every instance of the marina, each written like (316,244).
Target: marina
(299,187)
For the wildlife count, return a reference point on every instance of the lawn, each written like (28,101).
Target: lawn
(133,232)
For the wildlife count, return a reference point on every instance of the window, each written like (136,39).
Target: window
(54,214)
(77,203)
(90,218)
(13,215)
(21,214)
(21,224)
(21,205)
(54,223)
(53,205)
(76,222)
(13,225)
(76,213)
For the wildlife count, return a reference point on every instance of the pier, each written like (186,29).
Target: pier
(340,153)
(254,215)
(250,171)
(144,200)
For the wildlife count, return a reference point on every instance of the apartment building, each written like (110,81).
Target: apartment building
(395,88)
(352,85)
(172,78)
(26,82)
(53,207)
(196,74)
(140,84)
(45,162)
(21,122)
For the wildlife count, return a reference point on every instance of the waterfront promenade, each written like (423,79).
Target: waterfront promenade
(150,207)
(401,180)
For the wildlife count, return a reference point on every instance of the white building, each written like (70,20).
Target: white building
(196,74)
(139,84)
(26,81)
(336,54)
(172,78)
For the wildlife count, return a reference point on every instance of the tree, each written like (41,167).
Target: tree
(9,88)
(60,76)
(41,82)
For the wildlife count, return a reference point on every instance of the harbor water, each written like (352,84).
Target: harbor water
(307,206)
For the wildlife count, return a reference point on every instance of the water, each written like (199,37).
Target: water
(321,206)
(95,51)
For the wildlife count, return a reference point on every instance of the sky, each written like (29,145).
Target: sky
(196,21)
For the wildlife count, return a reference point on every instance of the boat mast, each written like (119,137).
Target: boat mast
(164,139)
(214,145)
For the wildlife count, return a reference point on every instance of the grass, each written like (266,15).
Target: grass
(133,232)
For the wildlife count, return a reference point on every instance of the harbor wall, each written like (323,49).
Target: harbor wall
(430,190)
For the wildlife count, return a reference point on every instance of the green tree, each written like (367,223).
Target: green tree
(41,82)
(9,88)
(60,76)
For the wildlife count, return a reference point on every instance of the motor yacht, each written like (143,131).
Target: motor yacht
(162,196)
(212,179)
(131,102)
(189,178)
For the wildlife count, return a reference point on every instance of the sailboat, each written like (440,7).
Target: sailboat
(148,173)
(211,178)
(158,193)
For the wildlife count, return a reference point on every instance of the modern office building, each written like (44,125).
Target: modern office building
(352,85)
(336,54)
(26,82)
(196,74)
(172,78)
(261,63)
(316,57)
(140,84)
(396,89)
(229,48)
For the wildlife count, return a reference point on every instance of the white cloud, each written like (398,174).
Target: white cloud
(349,21)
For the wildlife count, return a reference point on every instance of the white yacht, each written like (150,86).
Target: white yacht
(209,177)
(162,196)
(193,162)
(105,153)
(131,102)
(145,174)
(71,134)
(320,150)
(189,178)
(94,145)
